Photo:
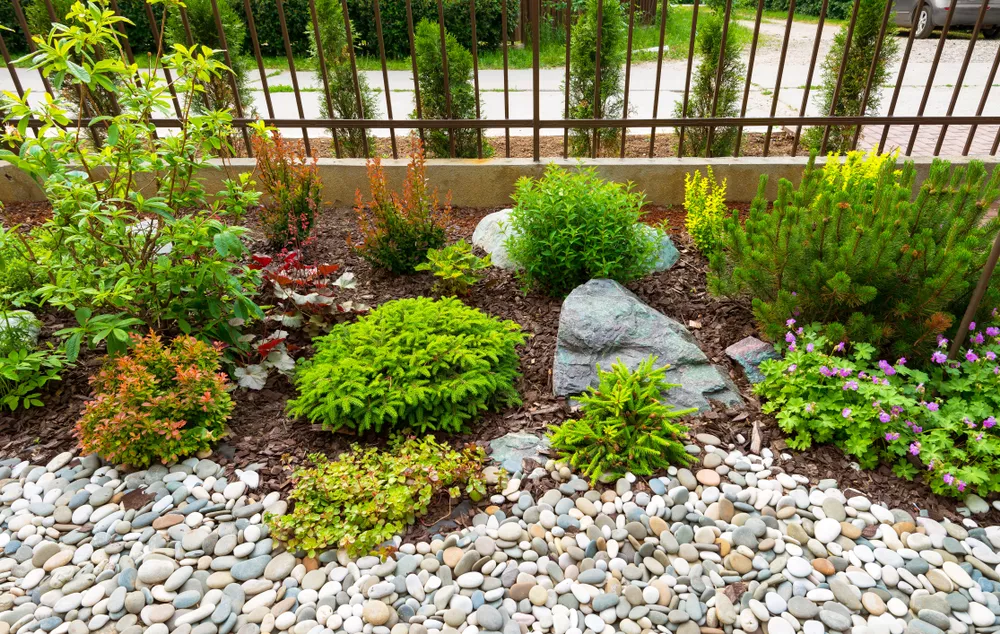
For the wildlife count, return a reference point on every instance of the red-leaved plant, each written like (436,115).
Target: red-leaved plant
(291,182)
(157,403)
(398,230)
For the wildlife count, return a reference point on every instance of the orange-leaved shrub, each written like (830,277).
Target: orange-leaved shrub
(157,403)
(398,230)
(292,184)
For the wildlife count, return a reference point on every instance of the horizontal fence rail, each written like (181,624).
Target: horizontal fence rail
(363,55)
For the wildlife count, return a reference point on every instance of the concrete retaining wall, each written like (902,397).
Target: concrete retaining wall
(490,182)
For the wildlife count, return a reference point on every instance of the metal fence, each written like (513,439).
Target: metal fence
(524,17)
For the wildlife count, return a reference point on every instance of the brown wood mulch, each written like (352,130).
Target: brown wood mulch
(262,434)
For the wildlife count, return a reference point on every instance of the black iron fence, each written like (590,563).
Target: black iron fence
(600,131)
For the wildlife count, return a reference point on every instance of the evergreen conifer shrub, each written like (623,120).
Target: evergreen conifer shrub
(852,249)
(705,204)
(418,363)
(625,425)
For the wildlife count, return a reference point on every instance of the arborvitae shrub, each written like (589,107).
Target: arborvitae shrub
(157,403)
(570,227)
(705,204)
(367,496)
(418,363)
(397,230)
(583,56)
(851,249)
(292,184)
(625,425)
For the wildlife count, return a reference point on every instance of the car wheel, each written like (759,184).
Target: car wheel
(924,24)
(992,32)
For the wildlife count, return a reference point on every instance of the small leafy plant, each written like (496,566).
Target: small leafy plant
(158,403)
(420,363)
(304,295)
(570,227)
(292,184)
(456,267)
(23,374)
(705,204)
(366,496)
(625,425)
(398,230)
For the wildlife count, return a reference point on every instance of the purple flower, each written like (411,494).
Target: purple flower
(885,418)
(971,356)
(978,339)
(839,347)
(914,448)
(793,367)
(844,372)
(851,385)
(993,331)
(917,429)
(933,407)
(885,367)
(789,337)
(961,485)
(846,413)
(790,323)
(990,355)
(800,330)
(989,422)
(901,361)
(948,478)
(968,423)
(996,369)
(885,382)
(897,410)
(810,407)
(809,347)
(825,371)
(791,347)
(972,326)
(938,357)
(979,436)
(942,342)
(891,436)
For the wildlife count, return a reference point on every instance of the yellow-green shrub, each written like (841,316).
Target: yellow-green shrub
(705,204)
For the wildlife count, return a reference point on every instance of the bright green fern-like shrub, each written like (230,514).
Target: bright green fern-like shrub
(419,363)
(625,425)
(567,228)
(456,268)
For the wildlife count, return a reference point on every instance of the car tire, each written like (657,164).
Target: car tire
(992,32)
(925,25)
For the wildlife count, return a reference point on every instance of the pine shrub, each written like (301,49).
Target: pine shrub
(703,91)
(570,227)
(418,363)
(583,56)
(859,62)
(397,230)
(456,268)
(850,248)
(158,403)
(433,96)
(625,425)
(705,204)
(367,496)
(291,182)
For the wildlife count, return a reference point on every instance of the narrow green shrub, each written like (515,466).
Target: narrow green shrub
(570,227)
(418,363)
(625,426)
(456,268)
(433,97)
(859,63)
(851,249)
(583,57)
(366,496)
(705,204)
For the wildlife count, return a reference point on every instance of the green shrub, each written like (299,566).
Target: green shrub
(15,269)
(583,56)
(625,426)
(456,268)
(292,184)
(849,249)
(705,204)
(419,363)
(156,404)
(340,81)
(433,96)
(367,496)
(570,227)
(397,231)
(24,372)
(939,424)
(703,91)
(852,87)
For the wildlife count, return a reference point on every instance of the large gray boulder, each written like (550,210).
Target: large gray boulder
(492,231)
(602,321)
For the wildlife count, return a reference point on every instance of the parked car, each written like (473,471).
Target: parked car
(934,12)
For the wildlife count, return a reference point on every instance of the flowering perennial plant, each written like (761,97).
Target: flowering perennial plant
(939,423)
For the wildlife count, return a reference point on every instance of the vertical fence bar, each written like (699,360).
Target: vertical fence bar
(323,72)
(158,43)
(413,64)
(809,75)
(659,75)
(628,73)
(535,87)
(687,78)
(982,102)
(871,71)
(291,70)
(252,25)
(961,74)
(718,76)
(569,9)
(447,86)
(746,85)
(840,73)
(385,76)
(977,296)
(237,99)
(902,71)
(996,143)
(506,87)
(354,74)
(930,76)
(475,75)
(595,150)
(781,70)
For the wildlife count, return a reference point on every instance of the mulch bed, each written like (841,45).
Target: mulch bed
(262,434)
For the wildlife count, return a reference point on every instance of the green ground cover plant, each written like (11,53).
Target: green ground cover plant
(456,268)
(411,363)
